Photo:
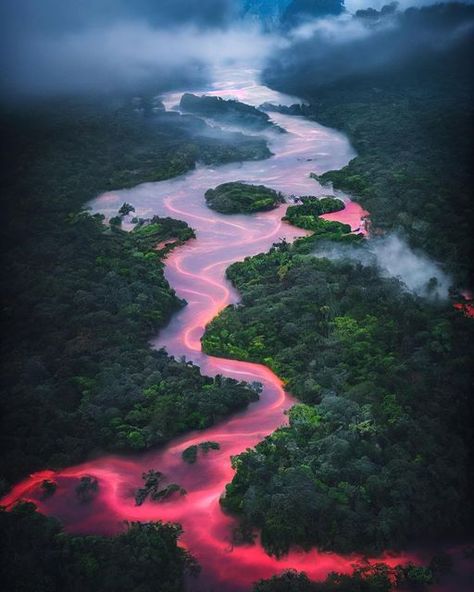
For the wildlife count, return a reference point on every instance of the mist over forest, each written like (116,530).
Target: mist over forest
(372,43)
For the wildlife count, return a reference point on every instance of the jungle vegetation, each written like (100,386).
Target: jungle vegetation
(306,215)
(410,122)
(242,198)
(38,556)
(81,298)
(378,452)
(368,578)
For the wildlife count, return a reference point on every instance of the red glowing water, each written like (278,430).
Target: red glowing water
(197,273)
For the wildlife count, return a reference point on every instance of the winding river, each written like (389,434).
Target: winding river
(197,272)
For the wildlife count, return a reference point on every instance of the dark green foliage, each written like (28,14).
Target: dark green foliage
(37,556)
(414,577)
(411,124)
(115,221)
(413,171)
(371,578)
(377,455)
(189,455)
(375,578)
(226,111)
(288,581)
(240,198)
(72,150)
(89,377)
(317,206)
(81,300)
(180,400)
(307,215)
(147,234)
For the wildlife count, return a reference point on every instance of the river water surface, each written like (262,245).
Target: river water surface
(197,272)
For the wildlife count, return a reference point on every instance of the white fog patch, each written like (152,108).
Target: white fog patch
(395,258)
(416,271)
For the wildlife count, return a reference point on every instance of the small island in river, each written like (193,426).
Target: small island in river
(241,198)
(228,112)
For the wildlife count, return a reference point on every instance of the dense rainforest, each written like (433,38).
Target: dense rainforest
(81,298)
(407,108)
(242,198)
(307,214)
(369,578)
(377,454)
(36,554)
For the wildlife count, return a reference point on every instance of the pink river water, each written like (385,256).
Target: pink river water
(197,272)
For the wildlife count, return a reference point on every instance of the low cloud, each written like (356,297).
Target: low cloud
(47,16)
(125,56)
(54,48)
(324,51)
(394,258)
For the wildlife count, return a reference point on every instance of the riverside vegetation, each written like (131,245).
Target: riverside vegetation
(368,578)
(242,198)
(409,123)
(38,555)
(378,453)
(307,214)
(82,298)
